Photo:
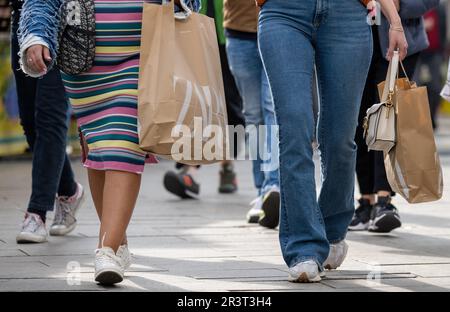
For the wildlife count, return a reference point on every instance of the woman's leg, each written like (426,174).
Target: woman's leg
(119,198)
(285,39)
(97,186)
(343,54)
(245,65)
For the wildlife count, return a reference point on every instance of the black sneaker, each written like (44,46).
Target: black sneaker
(270,216)
(181,184)
(361,218)
(228,182)
(384,217)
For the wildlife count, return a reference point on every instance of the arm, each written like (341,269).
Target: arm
(397,39)
(416,8)
(38,28)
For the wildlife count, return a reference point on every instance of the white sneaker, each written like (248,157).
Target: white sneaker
(33,230)
(305,272)
(109,268)
(337,255)
(255,212)
(124,253)
(66,209)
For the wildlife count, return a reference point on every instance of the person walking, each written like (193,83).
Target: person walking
(43,110)
(104,100)
(376,212)
(335,36)
(240,22)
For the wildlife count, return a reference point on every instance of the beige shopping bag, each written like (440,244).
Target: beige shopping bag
(413,166)
(181,110)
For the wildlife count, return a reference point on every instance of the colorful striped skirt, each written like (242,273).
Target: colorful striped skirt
(104,99)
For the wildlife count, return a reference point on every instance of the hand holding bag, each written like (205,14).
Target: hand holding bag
(379,123)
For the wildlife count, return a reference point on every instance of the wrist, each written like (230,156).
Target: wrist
(396,21)
(396,28)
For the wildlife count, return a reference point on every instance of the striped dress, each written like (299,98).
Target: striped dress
(104,99)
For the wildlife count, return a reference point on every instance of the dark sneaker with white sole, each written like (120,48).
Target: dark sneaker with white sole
(384,217)
(181,184)
(270,216)
(255,212)
(361,218)
(228,181)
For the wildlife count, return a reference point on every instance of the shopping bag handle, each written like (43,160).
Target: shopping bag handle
(183,15)
(406,75)
(391,76)
(395,71)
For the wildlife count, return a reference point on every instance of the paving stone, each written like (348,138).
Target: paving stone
(233,274)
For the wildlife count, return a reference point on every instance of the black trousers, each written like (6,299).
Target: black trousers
(370,170)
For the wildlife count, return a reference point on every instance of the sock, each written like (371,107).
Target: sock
(40,213)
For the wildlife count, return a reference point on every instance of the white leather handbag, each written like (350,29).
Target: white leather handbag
(379,123)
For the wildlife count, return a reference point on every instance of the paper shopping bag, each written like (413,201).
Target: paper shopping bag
(181,109)
(413,167)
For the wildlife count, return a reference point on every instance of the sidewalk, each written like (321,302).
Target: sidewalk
(206,245)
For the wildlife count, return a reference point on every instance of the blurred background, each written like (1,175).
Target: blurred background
(431,72)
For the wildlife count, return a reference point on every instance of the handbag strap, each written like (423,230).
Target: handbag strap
(391,77)
(394,71)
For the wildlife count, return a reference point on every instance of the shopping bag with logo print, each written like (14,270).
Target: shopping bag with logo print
(181,110)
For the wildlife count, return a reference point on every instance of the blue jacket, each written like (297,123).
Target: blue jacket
(411,12)
(39,22)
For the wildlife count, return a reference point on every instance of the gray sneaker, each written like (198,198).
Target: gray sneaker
(66,209)
(32,231)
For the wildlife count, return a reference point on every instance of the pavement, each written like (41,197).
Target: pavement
(206,245)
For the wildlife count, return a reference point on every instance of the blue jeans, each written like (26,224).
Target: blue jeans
(43,109)
(251,80)
(293,36)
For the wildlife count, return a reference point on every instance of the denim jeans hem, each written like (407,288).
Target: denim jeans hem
(40,207)
(306,258)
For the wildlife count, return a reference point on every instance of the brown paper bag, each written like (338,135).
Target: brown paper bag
(413,167)
(181,109)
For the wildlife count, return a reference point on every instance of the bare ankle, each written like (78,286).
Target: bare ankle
(369,197)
